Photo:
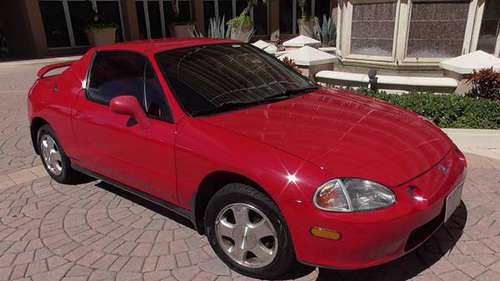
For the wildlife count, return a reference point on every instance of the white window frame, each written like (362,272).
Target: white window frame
(162,14)
(234,12)
(478,21)
(346,28)
(69,25)
(405,27)
(401,32)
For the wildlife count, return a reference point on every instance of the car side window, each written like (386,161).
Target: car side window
(116,73)
(155,103)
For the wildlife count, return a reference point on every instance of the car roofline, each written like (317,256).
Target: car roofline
(152,47)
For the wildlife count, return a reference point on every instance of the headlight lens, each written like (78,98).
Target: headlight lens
(352,195)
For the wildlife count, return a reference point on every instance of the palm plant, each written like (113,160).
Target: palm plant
(242,26)
(244,18)
(253,3)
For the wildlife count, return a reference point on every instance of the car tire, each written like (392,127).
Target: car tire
(263,212)
(54,160)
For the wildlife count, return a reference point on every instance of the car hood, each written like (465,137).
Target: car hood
(347,134)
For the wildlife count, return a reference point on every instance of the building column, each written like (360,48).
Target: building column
(274,19)
(199,16)
(130,22)
(334,4)
(36,27)
(23,27)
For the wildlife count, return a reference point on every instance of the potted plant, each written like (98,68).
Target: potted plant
(100,33)
(178,25)
(308,25)
(242,26)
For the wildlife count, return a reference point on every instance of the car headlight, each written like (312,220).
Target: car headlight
(352,195)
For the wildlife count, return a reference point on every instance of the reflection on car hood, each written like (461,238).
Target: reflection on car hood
(349,135)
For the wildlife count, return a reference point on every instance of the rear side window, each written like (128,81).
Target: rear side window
(116,74)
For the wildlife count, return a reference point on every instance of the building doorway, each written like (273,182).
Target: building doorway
(4,48)
(290,12)
(155,16)
(229,9)
(65,20)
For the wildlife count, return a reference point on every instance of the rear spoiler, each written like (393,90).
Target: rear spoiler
(44,70)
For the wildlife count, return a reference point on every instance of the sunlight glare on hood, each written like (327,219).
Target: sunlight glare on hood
(292,178)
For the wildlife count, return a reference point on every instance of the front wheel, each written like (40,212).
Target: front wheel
(247,231)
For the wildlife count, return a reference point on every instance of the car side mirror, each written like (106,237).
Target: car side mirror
(128,105)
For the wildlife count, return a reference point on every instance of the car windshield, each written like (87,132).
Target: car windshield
(222,77)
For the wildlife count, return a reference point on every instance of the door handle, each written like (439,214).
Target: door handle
(56,88)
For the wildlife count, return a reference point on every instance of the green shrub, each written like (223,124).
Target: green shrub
(447,111)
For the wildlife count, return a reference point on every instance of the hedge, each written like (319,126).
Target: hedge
(447,111)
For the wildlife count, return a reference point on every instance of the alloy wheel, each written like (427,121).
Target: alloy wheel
(246,235)
(51,155)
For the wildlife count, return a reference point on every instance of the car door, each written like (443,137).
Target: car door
(114,145)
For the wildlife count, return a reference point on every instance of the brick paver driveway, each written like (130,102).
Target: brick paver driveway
(50,231)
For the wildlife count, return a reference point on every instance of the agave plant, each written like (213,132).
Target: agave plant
(217,28)
(328,32)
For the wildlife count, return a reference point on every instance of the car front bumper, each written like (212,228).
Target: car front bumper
(376,237)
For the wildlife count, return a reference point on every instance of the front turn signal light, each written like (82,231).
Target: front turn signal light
(325,233)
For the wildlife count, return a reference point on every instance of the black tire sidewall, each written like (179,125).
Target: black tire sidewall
(238,193)
(63,177)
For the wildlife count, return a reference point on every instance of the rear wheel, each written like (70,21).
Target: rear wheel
(53,157)
(247,231)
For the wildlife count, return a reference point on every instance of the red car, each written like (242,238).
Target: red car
(272,168)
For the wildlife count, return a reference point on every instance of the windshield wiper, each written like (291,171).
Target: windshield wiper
(233,105)
(292,92)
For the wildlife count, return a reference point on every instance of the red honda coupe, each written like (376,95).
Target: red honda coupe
(272,168)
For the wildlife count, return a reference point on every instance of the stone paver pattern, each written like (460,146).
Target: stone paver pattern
(52,232)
